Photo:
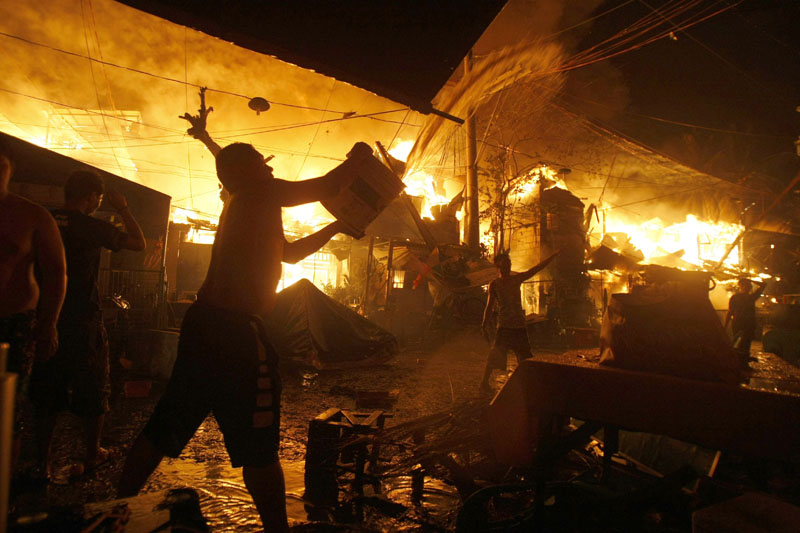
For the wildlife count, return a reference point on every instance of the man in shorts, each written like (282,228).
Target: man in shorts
(504,294)
(742,316)
(226,364)
(28,309)
(77,376)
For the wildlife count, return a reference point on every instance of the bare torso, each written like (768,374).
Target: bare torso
(246,257)
(19,222)
(509,301)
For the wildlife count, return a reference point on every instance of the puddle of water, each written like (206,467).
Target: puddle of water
(224,499)
(227,505)
(437,499)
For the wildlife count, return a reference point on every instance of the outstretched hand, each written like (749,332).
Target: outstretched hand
(198,122)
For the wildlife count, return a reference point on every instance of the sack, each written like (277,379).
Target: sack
(671,329)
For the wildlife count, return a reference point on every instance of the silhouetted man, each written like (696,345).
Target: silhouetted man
(77,376)
(28,310)
(226,364)
(742,315)
(504,294)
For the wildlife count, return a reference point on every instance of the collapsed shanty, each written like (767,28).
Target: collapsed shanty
(635,411)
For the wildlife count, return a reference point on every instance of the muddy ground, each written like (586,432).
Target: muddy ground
(429,376)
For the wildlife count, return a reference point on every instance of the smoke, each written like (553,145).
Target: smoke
(45,95)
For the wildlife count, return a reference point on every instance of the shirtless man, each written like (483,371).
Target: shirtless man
(28,236)
(504,293)
(226,363)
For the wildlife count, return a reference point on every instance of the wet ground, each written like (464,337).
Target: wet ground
(428,378)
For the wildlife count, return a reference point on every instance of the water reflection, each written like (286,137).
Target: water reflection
(227,505)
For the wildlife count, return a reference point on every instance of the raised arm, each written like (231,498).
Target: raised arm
(135,240)
(53,267)
(199,132)
(302,248)
(293,193)
(759,289)
(198,125)
(522,276)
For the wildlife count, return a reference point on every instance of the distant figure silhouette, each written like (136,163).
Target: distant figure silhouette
(77,376)
(504,294)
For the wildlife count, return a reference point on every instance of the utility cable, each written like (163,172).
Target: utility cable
(94,86)
(158,76)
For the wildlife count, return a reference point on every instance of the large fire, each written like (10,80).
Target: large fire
(690,244)
(693,241)
(420,183)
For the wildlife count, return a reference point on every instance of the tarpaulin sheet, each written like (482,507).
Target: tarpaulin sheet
(311,328)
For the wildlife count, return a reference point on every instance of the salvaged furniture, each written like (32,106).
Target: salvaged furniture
(757,419)
(328,453)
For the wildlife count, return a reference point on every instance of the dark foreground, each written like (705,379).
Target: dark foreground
(430,379)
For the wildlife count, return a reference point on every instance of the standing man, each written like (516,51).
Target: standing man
(504,293)
(226,364)
(28,310)
(77,376)
(742,312)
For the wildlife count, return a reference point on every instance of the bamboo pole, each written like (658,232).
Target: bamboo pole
(471,218)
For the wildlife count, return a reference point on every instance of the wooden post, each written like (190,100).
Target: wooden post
(471,212)
(369,270)
(389,276)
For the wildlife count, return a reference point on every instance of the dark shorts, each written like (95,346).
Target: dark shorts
(17,331)
(742,340)
(226,366)
(515,339)
(76,378)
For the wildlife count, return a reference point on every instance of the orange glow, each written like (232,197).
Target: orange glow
(698,240)
(418,182)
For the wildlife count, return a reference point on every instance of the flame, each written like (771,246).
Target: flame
(418,182)
(526,184)
(202,228)
(696,240)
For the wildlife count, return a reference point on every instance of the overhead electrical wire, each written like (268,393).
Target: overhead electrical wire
(180,133)
(642,32)
(713,52)
(316,132)
(94,86)
(158,76)
(186,105)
